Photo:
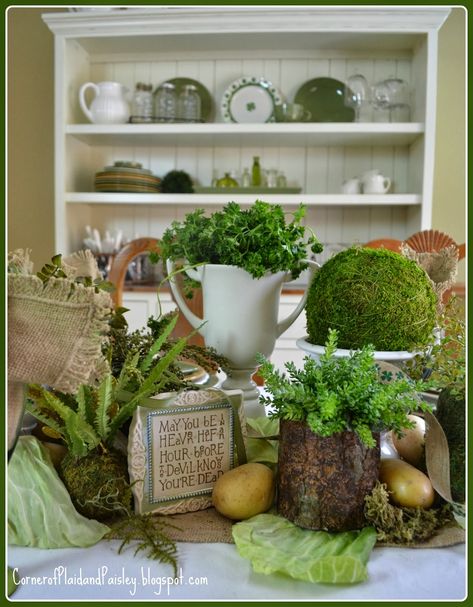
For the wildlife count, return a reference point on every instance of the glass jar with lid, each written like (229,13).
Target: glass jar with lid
(189,104)
(165,103)
(142,105)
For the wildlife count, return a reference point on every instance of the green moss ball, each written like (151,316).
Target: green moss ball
(371,296)
(98,483)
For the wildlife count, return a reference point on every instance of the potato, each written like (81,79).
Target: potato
(407,486)
(244,491)
(56,452)
(410,445)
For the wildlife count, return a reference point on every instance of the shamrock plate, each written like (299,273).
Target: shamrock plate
(250,99)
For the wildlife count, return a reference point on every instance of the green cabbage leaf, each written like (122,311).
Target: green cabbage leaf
(40,510)
(260,447)
(275,545)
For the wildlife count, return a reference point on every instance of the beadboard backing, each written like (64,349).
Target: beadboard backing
(217,45)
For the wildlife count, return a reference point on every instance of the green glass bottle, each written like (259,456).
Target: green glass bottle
(256,172)
(227,182)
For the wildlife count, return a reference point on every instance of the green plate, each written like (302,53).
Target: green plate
(324,98)
(206,100)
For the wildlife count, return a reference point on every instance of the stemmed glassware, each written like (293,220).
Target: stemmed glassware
(390,98)
(357,93)
(380,100)
(399,107)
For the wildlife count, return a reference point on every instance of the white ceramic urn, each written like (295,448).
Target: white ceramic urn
(240,319)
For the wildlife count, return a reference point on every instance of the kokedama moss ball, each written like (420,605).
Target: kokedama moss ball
(177,182)
(98,483)
(371,296)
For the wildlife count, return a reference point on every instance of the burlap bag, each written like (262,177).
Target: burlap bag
(55,336)
(440,266)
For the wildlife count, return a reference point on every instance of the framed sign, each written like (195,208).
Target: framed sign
(179,445)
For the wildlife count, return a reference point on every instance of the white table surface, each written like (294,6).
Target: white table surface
(216,571)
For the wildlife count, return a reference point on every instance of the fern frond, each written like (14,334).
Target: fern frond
(164,362)
(152,384)
(157,345)
(55,404)
(102,418)
(45,418)
(81,436)
(149,533)
(131,362)
(86,403)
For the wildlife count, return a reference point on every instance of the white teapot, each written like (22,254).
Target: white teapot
(109,105)
(374,182)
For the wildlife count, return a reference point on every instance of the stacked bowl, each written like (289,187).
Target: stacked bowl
(126,177)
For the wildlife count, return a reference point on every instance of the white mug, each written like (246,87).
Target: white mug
(376,184)
(351,186)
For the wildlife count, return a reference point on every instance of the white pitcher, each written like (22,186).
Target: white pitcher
(109,105)
(376,184)
(240,319)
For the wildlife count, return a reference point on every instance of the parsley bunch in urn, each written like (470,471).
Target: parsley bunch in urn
(259,239)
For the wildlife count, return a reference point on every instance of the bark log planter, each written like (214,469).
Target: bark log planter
(322,481)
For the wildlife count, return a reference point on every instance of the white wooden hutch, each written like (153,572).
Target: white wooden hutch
(215,45)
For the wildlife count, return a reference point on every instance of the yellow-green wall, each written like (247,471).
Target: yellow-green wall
(30,98)
(31,127)
(449,200)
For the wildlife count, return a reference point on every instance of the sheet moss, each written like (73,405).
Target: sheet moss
(405,526)
(371,296)
(98,483)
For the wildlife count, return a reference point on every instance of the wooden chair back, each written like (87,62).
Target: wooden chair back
(424,241)
(385,243)
(117,276)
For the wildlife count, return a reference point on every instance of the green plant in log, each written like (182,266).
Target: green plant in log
(371,296)
(337,394)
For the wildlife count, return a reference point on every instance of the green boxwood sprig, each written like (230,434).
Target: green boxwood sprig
(337,394)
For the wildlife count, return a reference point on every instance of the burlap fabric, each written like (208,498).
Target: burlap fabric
(208,526)
(204,526)
(440,266)
(55,333)
(55,336)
